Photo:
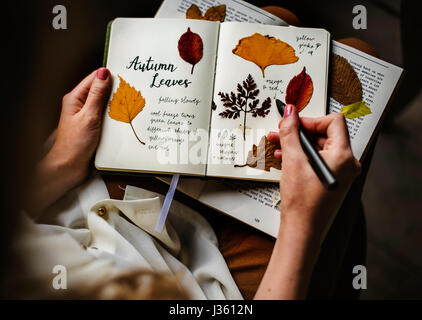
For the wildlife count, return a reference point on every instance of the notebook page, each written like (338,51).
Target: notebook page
(256,65)
(169,119)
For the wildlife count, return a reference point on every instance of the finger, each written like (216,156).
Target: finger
(75,99)
(289,135)
(277,154)
(320,142)
(98,93)
(332,126)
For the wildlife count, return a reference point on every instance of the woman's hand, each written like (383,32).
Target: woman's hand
(67,163)
(305,203)
(79,127)
(307,207)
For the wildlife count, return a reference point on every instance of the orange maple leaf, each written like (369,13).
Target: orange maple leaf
(126,103)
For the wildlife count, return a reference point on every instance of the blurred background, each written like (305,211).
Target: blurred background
(43,64)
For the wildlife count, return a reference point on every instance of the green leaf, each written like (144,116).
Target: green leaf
(356,110)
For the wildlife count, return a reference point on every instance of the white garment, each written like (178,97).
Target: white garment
(94,248)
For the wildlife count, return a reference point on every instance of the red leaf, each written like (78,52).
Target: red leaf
(191,48)
(299,90)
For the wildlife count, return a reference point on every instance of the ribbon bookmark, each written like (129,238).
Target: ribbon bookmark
(167,202)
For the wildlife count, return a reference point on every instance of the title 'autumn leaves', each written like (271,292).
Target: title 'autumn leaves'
(126,104)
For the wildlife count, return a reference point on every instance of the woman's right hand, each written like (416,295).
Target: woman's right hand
(305,203)
(307,207)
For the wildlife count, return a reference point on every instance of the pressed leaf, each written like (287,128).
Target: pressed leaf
(213,106)
(356,110)
(216,13)
(345,86)
(265,51)
(194,12)
(263,110)
(126,103)
(262,156)
(299,90)
(245,101)
(191,48)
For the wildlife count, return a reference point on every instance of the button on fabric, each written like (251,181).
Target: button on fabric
(101,211)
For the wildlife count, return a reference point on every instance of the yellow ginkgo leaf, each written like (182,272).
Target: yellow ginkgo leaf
(356,110)
(126,103)
(265,51)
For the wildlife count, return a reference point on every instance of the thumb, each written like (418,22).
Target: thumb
(289,134)
(98,93)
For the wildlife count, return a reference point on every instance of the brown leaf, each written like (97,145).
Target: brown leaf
(265,51)
(126,103)
(193,12)
(191,48)
(262,156)
(299,90)
(216,13)
(345,86)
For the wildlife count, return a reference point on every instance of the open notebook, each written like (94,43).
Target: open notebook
(198,97)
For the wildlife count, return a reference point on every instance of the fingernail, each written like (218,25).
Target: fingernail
(288,110)
(277,153)
(102,73)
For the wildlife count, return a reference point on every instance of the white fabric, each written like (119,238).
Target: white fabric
(94,248)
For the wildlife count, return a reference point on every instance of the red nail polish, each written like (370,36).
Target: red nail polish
(288,110)
(102,73)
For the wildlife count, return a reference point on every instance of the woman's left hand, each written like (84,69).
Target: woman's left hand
(67,163)
(79,127)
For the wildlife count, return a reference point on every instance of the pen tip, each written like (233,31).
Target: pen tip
(280,106)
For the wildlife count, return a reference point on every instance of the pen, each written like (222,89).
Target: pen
(317,163)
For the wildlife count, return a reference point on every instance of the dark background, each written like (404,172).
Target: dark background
(42,64)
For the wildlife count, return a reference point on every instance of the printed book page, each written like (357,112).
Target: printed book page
(257,64)
(258,204)
(157,118)
(236,10)
(378,80)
